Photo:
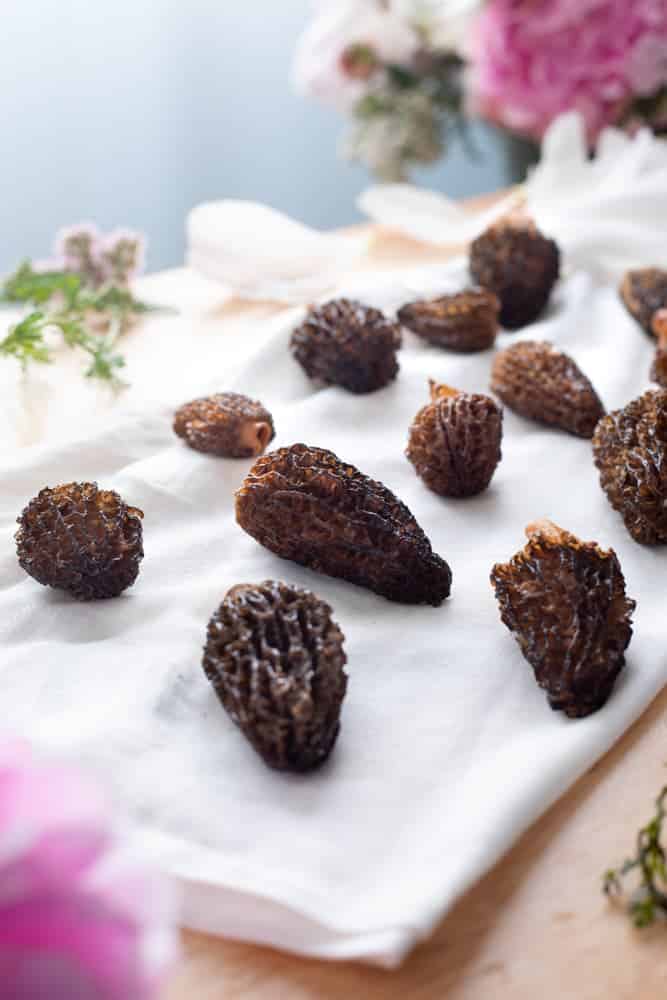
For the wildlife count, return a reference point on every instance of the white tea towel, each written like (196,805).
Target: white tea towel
(447,750)
(260,253)
(607,214)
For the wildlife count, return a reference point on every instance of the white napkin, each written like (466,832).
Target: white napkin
(608,214)
(260,253)
(448,749)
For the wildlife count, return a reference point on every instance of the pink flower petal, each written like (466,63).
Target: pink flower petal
(535,59)
(80,918)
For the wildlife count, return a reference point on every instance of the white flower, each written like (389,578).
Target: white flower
(372,33)
(443,23)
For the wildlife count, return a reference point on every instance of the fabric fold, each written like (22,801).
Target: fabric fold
(448,749)
(608,213)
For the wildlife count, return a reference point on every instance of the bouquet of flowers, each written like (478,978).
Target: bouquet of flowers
(410,72)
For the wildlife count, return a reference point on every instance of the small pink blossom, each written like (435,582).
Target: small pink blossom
(535,59)
(79,247)
(78,918)
(339,29)
(122,255)
(117,257)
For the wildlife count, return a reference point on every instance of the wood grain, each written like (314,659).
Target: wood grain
(537,926)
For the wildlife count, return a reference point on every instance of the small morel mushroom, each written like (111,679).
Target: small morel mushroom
(659,367)
(643,292)
(515,261)
(81,539)
(543,384)
(226,424)
(564,602)
(306,505)
(454,441)
(346,343)
(630,451)
(275,659)
(466,322)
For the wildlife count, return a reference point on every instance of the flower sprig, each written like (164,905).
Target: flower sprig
(649,899)
(86,298)
(26,342)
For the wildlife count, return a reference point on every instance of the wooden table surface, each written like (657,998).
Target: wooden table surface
(537,926)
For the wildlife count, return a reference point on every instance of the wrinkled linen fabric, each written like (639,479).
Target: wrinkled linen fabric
(260,253)
(608,214)
(448,749)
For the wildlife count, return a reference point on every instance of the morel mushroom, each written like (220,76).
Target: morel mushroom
(347,343)
(564,602)
(465,322)
(643,293)
(543,384)
(659,367)
(630,451)
(226,424)
(454,441)
(515,261)
(306,505)
(81,539)
(275,659)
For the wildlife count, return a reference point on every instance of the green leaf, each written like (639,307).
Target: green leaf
(73,301)
(37,287)
(401,77)
(25,341)
(649,898)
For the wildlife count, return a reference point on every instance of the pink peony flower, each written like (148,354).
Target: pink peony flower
(534,59)
(78,918)
(345,46)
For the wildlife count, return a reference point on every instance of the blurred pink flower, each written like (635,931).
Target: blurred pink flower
(116,257)
(78,919)
(78,248)
(534,59)
(344,47)
(122,255)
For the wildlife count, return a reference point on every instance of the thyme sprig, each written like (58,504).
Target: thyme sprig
(649,900)
(26,342)
(62,300)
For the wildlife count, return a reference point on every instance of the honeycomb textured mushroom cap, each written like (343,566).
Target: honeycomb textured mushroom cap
(81,539)
(275,659)
(564,602)
(347,343)
(454,442)
(515,261)
(465,322)
(227,424)
(643,293)
(630,452)
(306,505)
(543,384)
(658,372)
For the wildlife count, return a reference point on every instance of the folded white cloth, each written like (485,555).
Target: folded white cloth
(608,213)
(260,253)
(448,749)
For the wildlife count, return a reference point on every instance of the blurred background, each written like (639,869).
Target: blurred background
(131,113)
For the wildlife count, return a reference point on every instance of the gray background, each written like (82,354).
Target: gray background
(129,113)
